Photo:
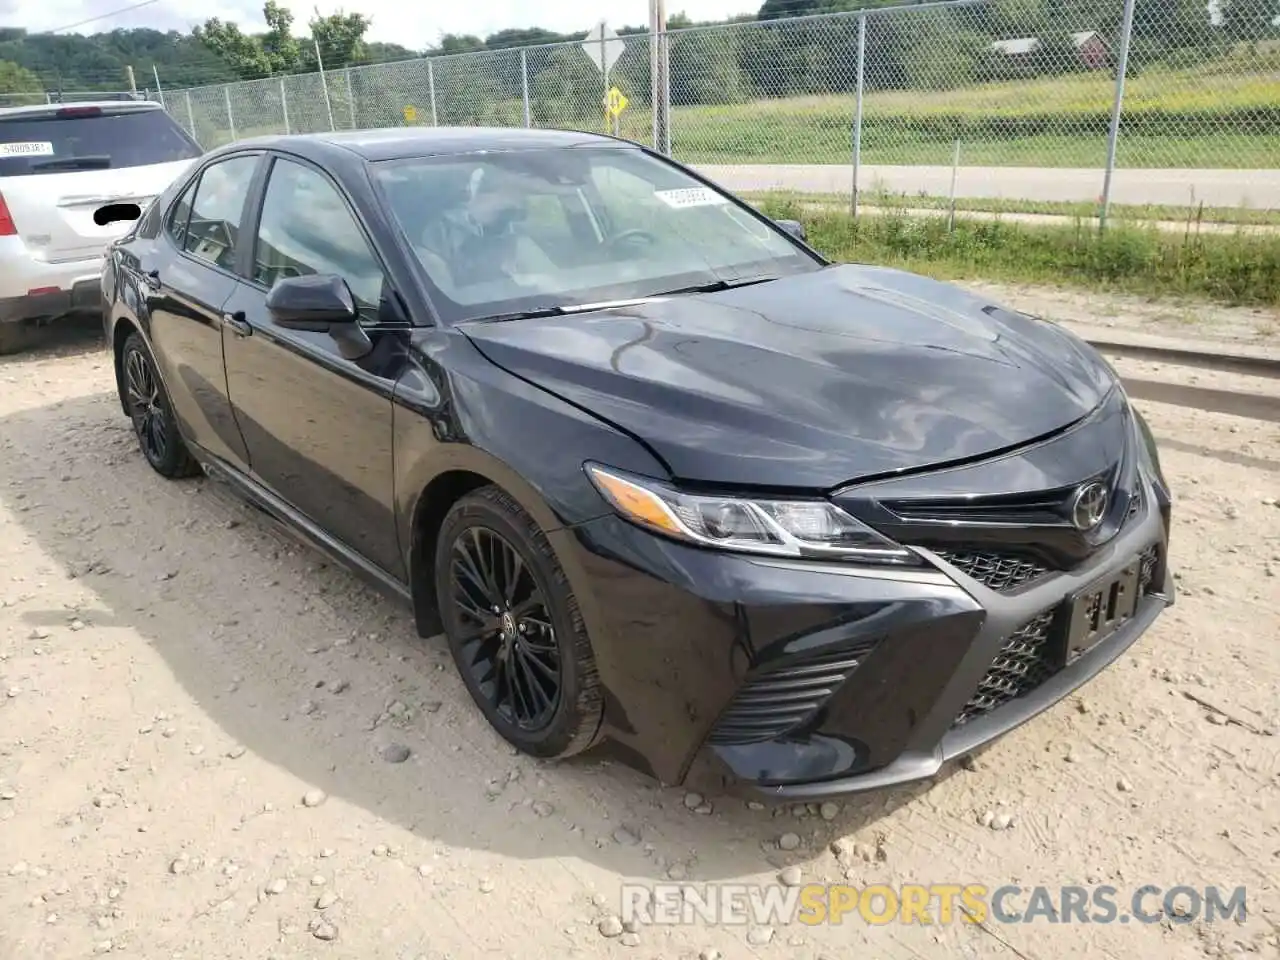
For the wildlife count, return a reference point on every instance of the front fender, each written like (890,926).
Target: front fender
(459,421)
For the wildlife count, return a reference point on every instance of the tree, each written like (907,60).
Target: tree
(457,43)
(242,52)
(340,37)
(1251,19)
(19,80)
(279,46)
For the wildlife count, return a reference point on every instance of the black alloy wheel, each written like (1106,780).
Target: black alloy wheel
(508,643)
(514,627)
(152,415)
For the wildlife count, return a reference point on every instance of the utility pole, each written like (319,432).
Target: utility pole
(133,84)
(659,80)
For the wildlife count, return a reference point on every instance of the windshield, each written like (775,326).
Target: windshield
(501,233)
(89,138)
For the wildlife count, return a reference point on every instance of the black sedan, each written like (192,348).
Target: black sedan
(667,480)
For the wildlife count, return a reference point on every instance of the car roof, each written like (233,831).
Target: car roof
(401,143)
(106,106)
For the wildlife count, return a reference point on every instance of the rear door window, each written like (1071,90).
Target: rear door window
(90,138)
(214,222)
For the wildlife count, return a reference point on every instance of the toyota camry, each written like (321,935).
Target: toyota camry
(668,481)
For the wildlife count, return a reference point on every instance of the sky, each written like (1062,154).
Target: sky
(414,25)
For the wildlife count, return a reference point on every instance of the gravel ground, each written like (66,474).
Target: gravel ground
(213,744)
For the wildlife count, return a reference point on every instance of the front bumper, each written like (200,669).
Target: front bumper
(874,666)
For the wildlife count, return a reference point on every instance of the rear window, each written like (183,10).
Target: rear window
(73,139)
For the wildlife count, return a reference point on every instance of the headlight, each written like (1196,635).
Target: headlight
(783,528)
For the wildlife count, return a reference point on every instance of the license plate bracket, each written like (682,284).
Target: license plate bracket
(1096,612)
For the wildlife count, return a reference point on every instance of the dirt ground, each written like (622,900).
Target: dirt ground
(176,676)
(1178,318)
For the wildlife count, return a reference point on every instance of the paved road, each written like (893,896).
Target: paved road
(1216,188)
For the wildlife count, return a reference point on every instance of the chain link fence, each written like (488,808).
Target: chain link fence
(33,99)
(835,103)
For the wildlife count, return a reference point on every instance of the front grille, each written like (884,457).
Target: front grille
(1025,661)
(1042,508)
(1001,572)
(775,701)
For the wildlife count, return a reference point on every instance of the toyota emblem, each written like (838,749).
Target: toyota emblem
(1089,505)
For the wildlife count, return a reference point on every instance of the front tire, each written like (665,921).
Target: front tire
(150,410)
(514,627)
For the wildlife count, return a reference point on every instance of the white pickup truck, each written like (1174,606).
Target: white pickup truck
(60,166)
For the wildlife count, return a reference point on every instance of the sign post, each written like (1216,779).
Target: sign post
(604,47)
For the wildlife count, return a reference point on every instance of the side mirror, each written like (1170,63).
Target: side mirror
(320,303)
(314,302)
(793,227)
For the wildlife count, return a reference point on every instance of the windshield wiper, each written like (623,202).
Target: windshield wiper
(561,311)
(717,285)
(95,162)
(533,314)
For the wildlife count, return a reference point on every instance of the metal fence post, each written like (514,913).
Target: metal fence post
(431,87)
(284,106)
(191,117)
(955,173)
(524,85)
(155,72)
(1113,135)
(666,90)
(604,76)
(324,84)
(231,120)
(351,97)
(857,113)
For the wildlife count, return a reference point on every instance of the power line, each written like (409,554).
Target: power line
(103,16)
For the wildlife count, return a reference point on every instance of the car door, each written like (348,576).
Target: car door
(317,425)
(188,275)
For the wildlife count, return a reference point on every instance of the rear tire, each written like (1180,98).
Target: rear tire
(529,665)
(14,338)
(149,408)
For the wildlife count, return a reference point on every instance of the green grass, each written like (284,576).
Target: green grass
(1135,213)
(1172,118)
(1237,268)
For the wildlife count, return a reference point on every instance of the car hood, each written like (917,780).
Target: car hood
(813,380)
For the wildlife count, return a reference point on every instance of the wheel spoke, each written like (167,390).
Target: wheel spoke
(542,699)
(466,563)
(539,666)
(513,570)
(528,605)
(484,568)
(477,635)
(158,436)
(465,596)
(518,674)
(135,379)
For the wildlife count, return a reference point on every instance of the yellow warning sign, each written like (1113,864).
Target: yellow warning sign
(410,114)
(614,102)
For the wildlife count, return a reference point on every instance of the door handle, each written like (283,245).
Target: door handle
(152,279)
(238,324)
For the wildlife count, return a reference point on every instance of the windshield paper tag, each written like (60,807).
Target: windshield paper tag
(690,197)
(30,148)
